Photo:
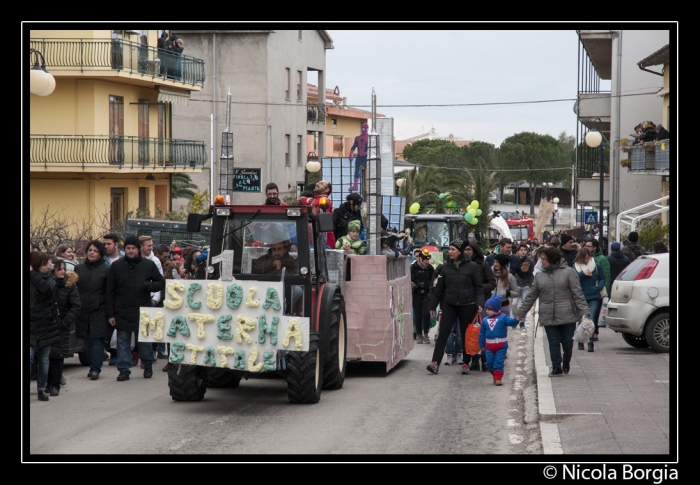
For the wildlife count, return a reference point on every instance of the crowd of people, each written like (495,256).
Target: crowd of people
(100,297)
(561,270)
(648,131)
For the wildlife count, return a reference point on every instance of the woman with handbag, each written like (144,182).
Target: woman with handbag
(592,279)
(562,303)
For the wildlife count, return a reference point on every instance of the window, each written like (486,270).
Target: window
(143,198)
(144,157)
(338,145)
(287,161)
(288,81)
(161,134)
(298,85)
(334,125)
(300,160)
(116,206)
(116,129)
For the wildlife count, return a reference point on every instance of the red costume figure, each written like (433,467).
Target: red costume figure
(361,142)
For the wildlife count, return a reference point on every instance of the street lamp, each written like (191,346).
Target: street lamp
(41,82)
(399,184)
(594,139)
(312,166)
(546,186)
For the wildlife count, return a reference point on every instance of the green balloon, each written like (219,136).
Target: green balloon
(474,221)
(442,196)
(478,212)
(468,217)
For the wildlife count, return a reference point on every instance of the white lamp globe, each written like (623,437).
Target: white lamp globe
(313,166)
(593,138)
(51,85)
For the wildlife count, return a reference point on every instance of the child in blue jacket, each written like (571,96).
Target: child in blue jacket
(494,337)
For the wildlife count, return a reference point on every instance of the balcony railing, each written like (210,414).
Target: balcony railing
(316,113)
(99,54)
(651,156)
(121,151)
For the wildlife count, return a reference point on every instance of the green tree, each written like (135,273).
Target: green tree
(199,204)
(533,158)
(182,186)
(424,186)
(441,153)
(484,181)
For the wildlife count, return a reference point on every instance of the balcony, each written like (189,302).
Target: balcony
(66,152)
(651,158)
(598,45)
(316,113)
(100,57)
(592,105)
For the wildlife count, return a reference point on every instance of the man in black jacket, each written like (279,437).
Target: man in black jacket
(348,211)
(130,282)
(421,282)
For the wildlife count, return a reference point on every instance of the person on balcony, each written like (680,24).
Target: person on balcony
(649,132)
(662,133)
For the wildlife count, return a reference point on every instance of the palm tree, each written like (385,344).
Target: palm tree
(483,182)
(182,186)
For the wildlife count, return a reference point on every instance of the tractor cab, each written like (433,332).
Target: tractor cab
(435,231)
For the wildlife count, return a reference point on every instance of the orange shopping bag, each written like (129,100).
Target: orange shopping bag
(471,336)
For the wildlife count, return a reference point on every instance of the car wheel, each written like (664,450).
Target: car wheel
(656,332)
(83,358)
(636,342)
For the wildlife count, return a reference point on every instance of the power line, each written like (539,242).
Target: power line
(451,105)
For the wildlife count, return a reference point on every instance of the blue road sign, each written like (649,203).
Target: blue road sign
(590,217)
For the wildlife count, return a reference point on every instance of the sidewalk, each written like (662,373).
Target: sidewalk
(614,401)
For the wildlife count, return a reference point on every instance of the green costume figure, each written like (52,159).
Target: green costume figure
(352,244)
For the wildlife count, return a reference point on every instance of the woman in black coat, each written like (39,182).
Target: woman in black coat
(92,324)
(44,330)
(68,300)
(459,292)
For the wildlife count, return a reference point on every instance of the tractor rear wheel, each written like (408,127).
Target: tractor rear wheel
(187,382)
(305,372)
(334,365)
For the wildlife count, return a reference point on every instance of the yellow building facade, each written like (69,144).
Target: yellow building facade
(101,144)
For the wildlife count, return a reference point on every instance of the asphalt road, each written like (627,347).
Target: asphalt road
(405,412)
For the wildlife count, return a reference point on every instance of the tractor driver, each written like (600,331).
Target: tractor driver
(277,257)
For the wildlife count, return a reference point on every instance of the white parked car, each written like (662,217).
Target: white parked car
(639,303)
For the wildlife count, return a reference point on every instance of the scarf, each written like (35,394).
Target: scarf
(590,266)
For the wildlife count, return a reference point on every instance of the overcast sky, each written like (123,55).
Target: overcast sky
(421,67)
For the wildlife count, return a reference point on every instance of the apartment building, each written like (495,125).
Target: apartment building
(271,114)
(616,91)
(101,144)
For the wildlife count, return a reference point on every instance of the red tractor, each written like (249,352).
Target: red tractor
(274,302)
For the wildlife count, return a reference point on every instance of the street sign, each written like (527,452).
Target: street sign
(590,217)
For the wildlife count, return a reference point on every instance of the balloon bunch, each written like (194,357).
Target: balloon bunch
(472,213)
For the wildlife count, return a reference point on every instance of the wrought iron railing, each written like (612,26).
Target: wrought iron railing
(122,151)
(316,113)
(588,161)
(122,55)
